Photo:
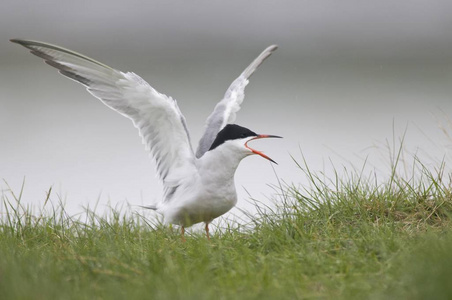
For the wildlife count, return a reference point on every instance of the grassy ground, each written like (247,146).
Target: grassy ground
(346,238)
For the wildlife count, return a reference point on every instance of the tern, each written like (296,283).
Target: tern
(198,187)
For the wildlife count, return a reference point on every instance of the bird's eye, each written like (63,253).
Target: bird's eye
(243,135)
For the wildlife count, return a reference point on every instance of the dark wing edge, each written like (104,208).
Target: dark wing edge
(225,111)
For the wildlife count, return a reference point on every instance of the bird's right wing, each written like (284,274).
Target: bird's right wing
(157,117)
(225,111)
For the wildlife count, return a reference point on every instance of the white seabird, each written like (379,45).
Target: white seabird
(197,187)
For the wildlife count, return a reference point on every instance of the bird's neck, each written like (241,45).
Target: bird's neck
(219,165)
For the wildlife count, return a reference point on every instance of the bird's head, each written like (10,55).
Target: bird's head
(236,137)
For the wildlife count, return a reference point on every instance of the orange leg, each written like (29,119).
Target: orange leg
(182,234)
(207,231)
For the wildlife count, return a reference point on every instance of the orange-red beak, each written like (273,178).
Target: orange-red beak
(262,136)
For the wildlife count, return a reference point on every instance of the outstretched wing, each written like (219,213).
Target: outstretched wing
(225,110)
(157,117)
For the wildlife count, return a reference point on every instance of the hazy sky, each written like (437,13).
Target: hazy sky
(349,28)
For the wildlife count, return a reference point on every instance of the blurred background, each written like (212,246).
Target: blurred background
(349,79)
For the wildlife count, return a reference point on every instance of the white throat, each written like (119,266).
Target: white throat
(219,165)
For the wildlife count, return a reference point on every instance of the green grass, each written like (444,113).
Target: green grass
(345,238)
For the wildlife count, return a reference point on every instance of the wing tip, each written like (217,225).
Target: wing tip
(17,41)
(34,45)
(259,60)
(26,43)
(272,48)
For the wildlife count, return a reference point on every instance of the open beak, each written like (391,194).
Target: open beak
(262,136)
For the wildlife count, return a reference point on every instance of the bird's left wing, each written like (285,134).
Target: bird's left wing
(224,112)
(157,117)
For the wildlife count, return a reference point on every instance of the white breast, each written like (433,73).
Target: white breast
(197,202)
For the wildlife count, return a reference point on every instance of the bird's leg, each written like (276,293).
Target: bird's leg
(207,231)
(182,234)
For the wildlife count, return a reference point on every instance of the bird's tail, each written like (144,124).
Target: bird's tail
(153,207)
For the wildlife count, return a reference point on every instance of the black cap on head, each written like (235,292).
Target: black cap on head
(231,132)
